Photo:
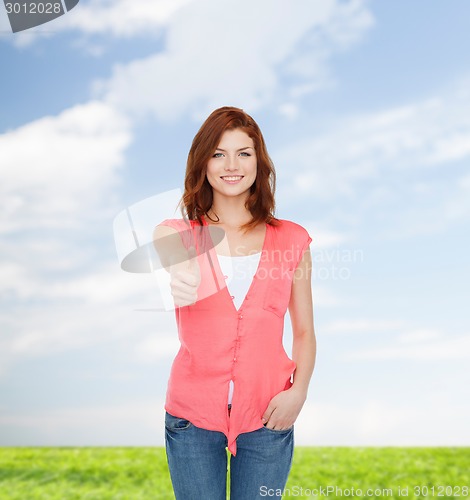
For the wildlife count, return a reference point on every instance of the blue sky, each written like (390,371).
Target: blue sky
(365,108)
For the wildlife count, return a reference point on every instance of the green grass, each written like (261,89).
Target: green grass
(384,468)
(142,473)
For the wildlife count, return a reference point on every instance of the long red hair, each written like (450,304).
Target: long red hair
(197,197)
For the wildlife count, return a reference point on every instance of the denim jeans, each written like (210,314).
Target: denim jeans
(197,459)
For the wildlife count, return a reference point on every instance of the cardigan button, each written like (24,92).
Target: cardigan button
(240,316)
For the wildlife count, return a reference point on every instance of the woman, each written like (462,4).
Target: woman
(232,385)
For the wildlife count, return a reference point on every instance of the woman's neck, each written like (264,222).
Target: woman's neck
(231,212)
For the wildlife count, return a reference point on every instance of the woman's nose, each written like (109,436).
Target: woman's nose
(231,164)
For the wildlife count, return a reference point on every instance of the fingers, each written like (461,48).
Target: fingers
(182,299)
(267,414)
(186,278)
(279,414)
(275,422)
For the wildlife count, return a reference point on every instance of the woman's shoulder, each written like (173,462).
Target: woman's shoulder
(179,224)
(289,227)
(169,227)
(174,223)
(291,233)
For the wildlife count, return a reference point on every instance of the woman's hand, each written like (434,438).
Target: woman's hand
(283,409)
(184,280)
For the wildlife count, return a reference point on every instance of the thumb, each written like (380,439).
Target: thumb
(267,414)
(193,265)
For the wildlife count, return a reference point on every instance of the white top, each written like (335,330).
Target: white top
(238,272)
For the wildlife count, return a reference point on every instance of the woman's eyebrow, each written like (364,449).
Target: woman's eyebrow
(241,149)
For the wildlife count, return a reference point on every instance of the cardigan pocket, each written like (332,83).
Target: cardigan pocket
(278,291)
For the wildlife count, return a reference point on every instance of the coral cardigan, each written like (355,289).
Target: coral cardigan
(220,343)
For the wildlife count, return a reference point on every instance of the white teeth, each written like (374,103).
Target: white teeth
(234,178)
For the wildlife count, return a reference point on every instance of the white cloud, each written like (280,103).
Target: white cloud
(229,34)
(63,172)
(232,53)
(376,422)
(397,340)
(289,110)
(57,178)
(116,18)
(386,166)
(324,297)
(135,423)
(322,237)
(216,53)
(141,423)
(362,326)
(155,347)
(62,326)
(419,345)
(61,289)
(55,170)
(122,18)
(327,238)
(419,335)
(359,148)
(78,312)
(401,341)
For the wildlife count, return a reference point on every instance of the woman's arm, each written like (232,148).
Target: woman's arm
(180,263)
(285,407)
(301,312)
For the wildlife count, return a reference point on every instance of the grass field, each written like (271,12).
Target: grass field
(319,472)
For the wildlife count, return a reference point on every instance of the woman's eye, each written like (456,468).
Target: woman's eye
(245,154)
(217,155)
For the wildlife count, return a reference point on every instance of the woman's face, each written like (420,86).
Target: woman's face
(232,169)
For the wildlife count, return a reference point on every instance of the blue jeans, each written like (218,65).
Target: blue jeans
(197,459)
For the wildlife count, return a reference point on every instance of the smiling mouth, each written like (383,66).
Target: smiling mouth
(232,178)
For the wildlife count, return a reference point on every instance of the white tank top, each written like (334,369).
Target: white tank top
(238,273)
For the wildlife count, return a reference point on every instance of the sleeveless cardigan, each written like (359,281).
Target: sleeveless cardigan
(220,343)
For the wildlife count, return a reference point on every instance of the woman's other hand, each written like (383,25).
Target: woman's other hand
(283,409)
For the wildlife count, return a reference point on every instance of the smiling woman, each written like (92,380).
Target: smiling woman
(230,145)
(232,384)
(232,164)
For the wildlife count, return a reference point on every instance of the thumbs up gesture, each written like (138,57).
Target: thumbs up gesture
(180,262)
(185,280)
